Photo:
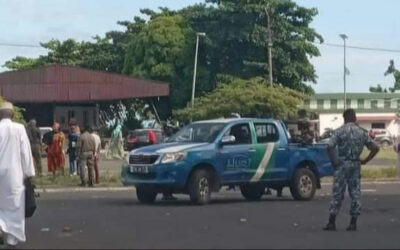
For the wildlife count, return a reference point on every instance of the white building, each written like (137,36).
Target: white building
(374,110)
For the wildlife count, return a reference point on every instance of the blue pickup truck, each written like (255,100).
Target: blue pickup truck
(246,152)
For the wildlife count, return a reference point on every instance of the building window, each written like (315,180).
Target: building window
(71,115)
(85,118)
(320,104)
(348,102)
(374,104)
(387,104)
(94,118)
(333,104)
(360,103)
(380,125)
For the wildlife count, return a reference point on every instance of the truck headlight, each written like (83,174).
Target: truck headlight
(173,157)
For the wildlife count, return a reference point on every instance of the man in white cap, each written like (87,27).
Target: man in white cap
(16,165)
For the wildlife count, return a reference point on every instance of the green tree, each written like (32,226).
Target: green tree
(21,62)
(246,97)
(377,89)
(237,41)
(164,50)
(396,74)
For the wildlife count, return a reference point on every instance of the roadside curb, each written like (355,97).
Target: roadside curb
(379,181)
(82,189)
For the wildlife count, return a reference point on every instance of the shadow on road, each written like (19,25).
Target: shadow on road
(186,202)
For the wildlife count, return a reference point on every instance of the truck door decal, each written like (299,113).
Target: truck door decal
(264,163)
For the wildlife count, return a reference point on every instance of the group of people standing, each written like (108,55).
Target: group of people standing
(83,150)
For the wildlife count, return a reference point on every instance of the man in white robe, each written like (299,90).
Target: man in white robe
(16,164)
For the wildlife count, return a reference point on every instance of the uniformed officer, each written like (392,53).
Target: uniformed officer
(350,140)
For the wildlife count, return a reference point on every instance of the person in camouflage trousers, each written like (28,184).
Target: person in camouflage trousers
(350,140)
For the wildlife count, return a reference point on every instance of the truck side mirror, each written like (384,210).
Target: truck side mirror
(228,139)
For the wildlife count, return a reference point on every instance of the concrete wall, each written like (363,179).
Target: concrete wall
(62,113)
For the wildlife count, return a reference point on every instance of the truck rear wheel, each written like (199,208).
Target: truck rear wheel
(304,184)
(252,192)
(199,187)
(146,194)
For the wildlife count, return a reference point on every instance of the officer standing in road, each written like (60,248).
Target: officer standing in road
(350,140)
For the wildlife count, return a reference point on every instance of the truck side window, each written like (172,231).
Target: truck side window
(241,133)
(266,132)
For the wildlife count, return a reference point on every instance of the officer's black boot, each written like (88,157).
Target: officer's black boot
(353,224)
(331,226)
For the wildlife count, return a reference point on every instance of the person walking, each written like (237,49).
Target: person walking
(71,151)
(97,140)
(116,149)
(55,153)
(16,167)
(86,147)
(350,140)
(36,145)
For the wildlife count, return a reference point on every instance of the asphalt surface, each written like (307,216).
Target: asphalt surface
(115,219)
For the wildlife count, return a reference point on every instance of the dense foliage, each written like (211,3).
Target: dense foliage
(161,46)
(396,75)
(249,98)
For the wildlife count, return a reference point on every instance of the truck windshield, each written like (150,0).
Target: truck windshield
(198,132)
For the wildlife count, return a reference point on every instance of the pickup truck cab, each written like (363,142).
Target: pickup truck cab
(206,155)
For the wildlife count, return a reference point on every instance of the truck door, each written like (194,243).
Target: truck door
(235,157)
(271,154)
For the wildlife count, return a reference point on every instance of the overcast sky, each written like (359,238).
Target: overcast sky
(368,23)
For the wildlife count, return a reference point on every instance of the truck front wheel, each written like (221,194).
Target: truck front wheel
(199,187)
(252,192)
(303,185)
(146,194)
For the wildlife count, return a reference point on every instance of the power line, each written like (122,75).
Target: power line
(360,48)
(20,45)
(324,44)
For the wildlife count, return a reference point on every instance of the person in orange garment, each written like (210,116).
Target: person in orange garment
(55,153)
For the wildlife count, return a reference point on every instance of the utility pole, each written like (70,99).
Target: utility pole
(269,45)
(344,37)
(195,64)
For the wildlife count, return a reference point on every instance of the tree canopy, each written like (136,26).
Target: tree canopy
(161,46)
(377,89)
(391,70)
(251,97)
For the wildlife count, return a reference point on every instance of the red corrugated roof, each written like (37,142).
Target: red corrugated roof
(61,83)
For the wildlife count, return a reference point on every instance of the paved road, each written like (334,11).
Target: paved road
(116,220)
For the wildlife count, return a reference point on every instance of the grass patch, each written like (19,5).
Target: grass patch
(382,173)
(384,153)
(64,180)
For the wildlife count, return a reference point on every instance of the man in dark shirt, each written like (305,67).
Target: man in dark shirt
(36,146)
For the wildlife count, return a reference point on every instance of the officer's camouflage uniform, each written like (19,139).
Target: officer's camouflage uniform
(350,139)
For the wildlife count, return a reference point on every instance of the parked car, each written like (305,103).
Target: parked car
(141,137)
(206,155)
(383,137)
